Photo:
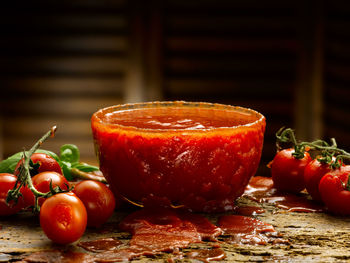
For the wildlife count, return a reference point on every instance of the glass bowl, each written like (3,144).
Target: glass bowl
(192,154)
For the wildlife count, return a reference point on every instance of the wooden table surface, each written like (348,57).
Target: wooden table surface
(314,237)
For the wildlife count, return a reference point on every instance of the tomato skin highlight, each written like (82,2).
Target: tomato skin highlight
(46,162)
(41,182)
(288,172)
(333,192)
(98,199)
(63,218)
(7,182)
(313,174)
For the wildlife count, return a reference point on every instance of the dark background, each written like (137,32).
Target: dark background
(63,60)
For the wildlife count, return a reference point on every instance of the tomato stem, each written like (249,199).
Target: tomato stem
(347,187)
(24,177)
(87,176)
(330,153)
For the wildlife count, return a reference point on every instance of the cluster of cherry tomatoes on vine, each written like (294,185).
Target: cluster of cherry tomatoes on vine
(325,177)
(67,207)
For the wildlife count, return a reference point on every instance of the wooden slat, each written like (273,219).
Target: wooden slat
(60,106)
(64,65)
(65,45)
(64,86)
(183,65)
(34,127)
(220,45)
(222,5)
(196,23)
(337,80)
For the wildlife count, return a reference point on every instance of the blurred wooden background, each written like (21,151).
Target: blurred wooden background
(63,60)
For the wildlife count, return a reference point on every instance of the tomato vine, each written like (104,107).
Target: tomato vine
(329,153)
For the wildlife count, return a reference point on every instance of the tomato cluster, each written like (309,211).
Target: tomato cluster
(63,216)
(324,183)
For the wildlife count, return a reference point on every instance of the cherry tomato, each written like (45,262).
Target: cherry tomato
(288,172)
(63,218)
(333,190)
(98,199)
(7,182)
(45,162)
(41,182)
(313,174)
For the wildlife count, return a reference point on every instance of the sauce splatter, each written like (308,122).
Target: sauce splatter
(260,189)
(156,230)
(207,255)
(59,256)
(247,230)
(161,230)
(248,210)
(103,244)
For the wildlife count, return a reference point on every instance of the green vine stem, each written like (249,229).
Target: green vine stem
(330,153)
(24,178)
(87,176)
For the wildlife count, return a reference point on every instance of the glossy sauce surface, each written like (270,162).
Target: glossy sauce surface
(247,230)
(207,255)
(159,230)
(248,210)
(100,245)
(261,190)
(177,118)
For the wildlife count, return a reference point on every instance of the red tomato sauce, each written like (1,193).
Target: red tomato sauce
(247,230)
(159,230)
(248,210)
(173,156)
(176,118)
(207,255)
(261,190)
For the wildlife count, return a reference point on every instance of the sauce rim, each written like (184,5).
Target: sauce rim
(96,117)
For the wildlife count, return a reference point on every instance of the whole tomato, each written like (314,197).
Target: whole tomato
(313,174)
(288,172)
(98,199)
(41,163)
(7,182)
(63,218)
(41,182)
(334,190)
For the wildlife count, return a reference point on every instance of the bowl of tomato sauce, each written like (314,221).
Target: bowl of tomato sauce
(180,154)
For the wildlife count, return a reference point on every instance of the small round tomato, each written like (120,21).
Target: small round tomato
(7,182)
(288,172)
(334,192)
(63,218)
(313,174)
(41,163)
(98,200)
(41,182)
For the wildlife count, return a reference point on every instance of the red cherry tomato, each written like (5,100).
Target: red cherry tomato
(41,182)
(7,182)
(63,218)
(288,172)
(333,190)
(98,199)
(313,174)
(46,163)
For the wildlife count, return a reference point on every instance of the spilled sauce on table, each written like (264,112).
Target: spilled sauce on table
(154,231)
